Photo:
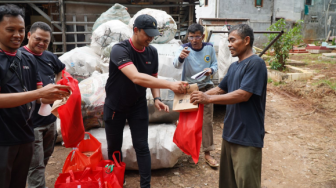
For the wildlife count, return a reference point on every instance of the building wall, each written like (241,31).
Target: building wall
(259,19)
(290,10)
(206,11)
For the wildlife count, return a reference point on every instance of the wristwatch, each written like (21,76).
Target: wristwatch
(159,98)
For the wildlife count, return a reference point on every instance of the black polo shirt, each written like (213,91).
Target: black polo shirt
(121,92)
(14,127)
(48,65)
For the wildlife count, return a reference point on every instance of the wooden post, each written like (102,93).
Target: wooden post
(62,19)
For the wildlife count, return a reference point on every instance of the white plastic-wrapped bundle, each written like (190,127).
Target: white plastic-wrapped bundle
(224,58)
(107,50)
(166,54)
(116,12)
(81,62)
(93,98)
(165,24)
(164,152)
(108,32)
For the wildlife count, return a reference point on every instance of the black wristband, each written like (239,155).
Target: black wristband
(159,98)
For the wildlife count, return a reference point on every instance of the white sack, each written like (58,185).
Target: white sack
(81,62)
(167,54)
(116,12)
(165,24)
(93,98)
(108,32)
(164,152)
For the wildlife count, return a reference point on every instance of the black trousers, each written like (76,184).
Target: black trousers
(14,165)
(137,118)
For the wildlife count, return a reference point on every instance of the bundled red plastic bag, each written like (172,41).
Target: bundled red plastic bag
(87,154)
(70,113)
(188,133)
(114,171)
(83,179)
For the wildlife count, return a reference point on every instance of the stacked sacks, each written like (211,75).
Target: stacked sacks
(165,23)
(116,12)
(81,62)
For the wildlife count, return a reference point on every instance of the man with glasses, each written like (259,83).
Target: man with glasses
(19,80)
(50,69)
(194,57)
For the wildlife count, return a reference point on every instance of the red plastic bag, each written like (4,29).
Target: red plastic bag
(114,178)
(188,133)
(83,179)
(72,126)
(78,160)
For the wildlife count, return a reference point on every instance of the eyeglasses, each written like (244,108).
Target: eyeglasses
(196,37)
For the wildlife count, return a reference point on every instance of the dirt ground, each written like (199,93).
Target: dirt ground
(300,143)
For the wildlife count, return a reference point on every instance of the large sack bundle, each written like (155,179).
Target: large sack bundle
(164,153)
(165,23)
(81,62)
(116,12)
(167,97)
(166,54)
(93,99)
(108,32)
(105,52)
(224,58)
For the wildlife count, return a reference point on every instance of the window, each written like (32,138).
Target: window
(259,3)
(309,2)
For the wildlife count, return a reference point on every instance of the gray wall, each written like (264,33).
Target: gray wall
(314,29)
(259,19)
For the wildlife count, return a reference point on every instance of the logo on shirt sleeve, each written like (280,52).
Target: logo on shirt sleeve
(207,58)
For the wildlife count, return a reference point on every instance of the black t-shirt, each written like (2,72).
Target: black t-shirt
(48,65)
(121,92)
(15,128)
(244,122)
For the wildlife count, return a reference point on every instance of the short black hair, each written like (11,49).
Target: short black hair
(40,25)
(193,28)
(10,10)
(243,31)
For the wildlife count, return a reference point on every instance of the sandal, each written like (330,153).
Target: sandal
(212,162)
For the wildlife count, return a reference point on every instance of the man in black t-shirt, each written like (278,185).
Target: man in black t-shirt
(19,80)
(50,71)
(133,68)
(243,90)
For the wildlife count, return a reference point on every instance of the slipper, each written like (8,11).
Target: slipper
(211,162)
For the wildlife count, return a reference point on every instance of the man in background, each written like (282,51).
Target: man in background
(194,57)
(50,70)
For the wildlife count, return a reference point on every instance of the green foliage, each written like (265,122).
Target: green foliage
(333,42)
(285,43)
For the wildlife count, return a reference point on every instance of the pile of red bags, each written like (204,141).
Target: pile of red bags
(84,167)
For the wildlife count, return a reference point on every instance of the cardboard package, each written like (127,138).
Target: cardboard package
(182,101)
